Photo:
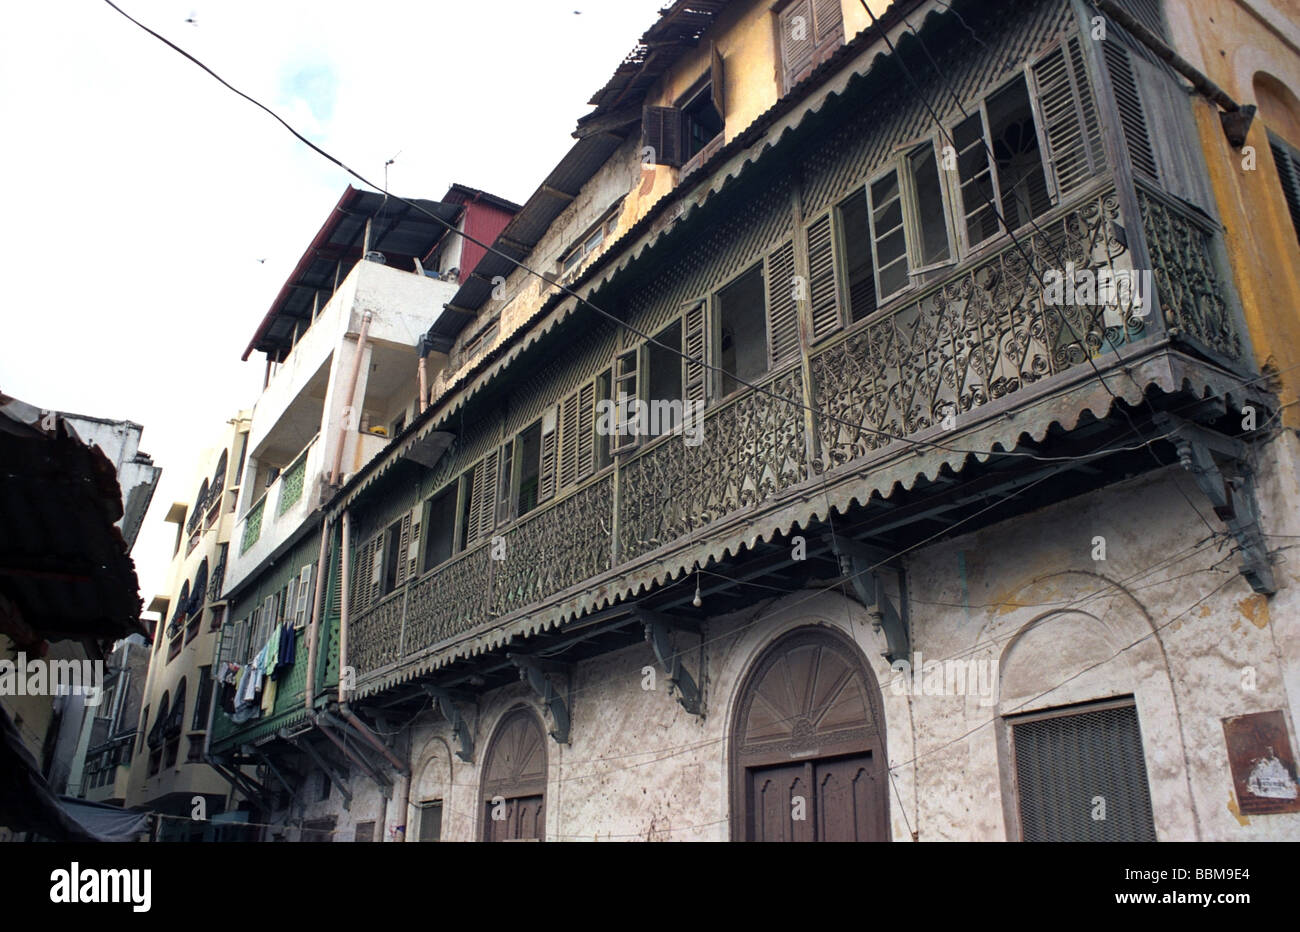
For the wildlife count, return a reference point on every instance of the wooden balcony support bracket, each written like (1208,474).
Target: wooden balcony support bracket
(1222,470)
(275,772)
(540,676)
(447,700)
(864,566)
(680,682)
(304,745)
(239,780)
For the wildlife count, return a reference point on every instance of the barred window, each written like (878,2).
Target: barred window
(1081,775)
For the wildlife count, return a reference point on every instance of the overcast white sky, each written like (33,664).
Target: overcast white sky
(141,195)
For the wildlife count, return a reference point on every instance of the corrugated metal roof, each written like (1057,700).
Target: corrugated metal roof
(400,231)
(678,30)
(63,561)
(526,230)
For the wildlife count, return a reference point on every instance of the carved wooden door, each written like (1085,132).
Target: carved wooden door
(514,781)
(807,752)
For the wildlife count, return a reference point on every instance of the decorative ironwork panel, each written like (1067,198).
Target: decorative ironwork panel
(1187,278)
(983,334)
(752,449)
(291,485)
(448,602)
(252,527)
(218,579)
(558,547)
(375,636)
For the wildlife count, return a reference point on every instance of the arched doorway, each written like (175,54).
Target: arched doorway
(807,745)
(514,780)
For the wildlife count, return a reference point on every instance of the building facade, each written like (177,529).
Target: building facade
(75,491)
(169,771)
(892,451)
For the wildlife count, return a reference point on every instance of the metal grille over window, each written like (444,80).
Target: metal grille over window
(252,527)
(1082,776)
(291,484)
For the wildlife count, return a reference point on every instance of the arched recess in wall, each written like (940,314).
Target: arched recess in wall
(430,793)
(1279,107)
(808,760)
(1071,741)
(514,775)
(218,478)
(1279,111)
(199,591)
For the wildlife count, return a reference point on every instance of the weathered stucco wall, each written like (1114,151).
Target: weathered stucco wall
(1165,618)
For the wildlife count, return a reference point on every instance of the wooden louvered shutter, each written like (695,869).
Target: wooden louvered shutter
(828,18)
(1288,171)
(376,587)
(550,448)
(798,41)
(626,371)
(662,132)
(305,596)
(402,557)
(782,308)
(269,608)
(823,289)
(1069,132)
(717,82)
(505,490)
(1128,99)
(569,441)
(413,548)
(485,494)
(695,345)
(360,565)
(586,429)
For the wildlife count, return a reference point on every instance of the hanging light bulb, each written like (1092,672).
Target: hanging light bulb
(697,601)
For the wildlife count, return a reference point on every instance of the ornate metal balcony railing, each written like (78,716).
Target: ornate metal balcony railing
(986,331)
(449,601)
(1183,247)
(291,483)
(218,579)
(252,526)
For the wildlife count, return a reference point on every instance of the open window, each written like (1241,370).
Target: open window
(663,380)
(528,469)
(931,245)
(1020,176)
(440,542)
(688,132)
(391,556)
(741,328)
(855,239)
(464,522)
(909,220)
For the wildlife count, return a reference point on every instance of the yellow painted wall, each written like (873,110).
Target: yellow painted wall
(1255,58)
(746,37)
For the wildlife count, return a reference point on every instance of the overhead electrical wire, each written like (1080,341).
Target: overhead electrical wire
(1147,443)
(647,338)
